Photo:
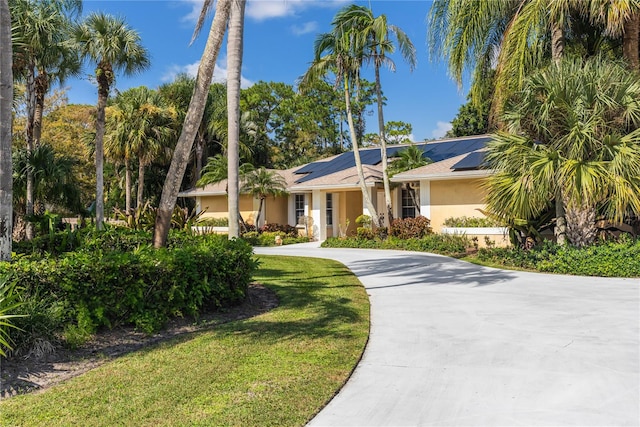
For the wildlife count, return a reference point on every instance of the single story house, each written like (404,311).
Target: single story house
(325,196)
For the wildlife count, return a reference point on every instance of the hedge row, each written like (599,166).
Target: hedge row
(445,244)
(607,259)
(97,287)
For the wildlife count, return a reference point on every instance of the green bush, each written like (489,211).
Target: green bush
(607,259)
(365,233)
(282,229)
(142,287)
(445,244)
(410,228)
(268,238)
(465,221)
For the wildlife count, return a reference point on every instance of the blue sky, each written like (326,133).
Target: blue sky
(279,36)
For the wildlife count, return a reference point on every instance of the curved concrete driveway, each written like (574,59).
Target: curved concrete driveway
(453,343)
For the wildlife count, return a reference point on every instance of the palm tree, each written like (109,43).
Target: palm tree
(375,40)
(621,18)
(43,56)
(6,104)
(514,37)
(217,170)
(234,62)
(113,46)
(573,138)
(336,52)
(54,182)
(142,125)
(406,159)
(192,121)
(262,183)
(178,94)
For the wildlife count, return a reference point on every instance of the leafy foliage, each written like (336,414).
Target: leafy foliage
(607,259)
(269,238)
(144,218)
(410,228)
(445,244)
(115,278)
(285,229)
(572,139)
(465,221)
(9,303)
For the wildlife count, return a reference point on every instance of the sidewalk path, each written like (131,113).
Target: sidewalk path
(453,343)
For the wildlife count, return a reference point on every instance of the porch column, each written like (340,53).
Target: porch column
(425,198)
(291,213)
(318,207)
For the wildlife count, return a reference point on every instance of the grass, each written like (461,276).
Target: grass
(277,369)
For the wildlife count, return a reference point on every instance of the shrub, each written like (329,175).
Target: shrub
(144,217)
(283,230)
(445,244)
(410,228)
(607,259)
(465,221)
(81,291)
(268,238)
(365,233)
(364,221)
(8,305)
(52,243)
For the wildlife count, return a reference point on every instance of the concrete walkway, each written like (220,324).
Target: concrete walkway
(453,343)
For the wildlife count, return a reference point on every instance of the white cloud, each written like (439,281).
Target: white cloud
(441,130)
(196,8)
(306,28)
(219,73)
(261,10)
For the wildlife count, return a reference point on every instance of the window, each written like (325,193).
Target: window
(408,206)
(299,207)
(329,209)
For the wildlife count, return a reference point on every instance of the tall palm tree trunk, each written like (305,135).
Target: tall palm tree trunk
(6,103)
(557,50)
(234,62)
(29,197)
(557,42)
(356,154)
(581,224)
(192,121)
(103,94)
(139,194)
(630,47)
(127,186)
(383,148)
(561,222)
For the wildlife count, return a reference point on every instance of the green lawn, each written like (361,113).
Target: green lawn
(276,369)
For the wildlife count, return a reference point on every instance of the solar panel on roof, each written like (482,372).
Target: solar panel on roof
(472,160)
(436,151)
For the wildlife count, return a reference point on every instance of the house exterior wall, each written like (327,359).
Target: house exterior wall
(276,210)
(218,207)
(352,202)
(455,198)
(213,206)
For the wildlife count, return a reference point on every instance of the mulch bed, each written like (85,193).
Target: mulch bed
(20,375)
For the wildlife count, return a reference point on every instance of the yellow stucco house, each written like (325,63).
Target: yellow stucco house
(325,195)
